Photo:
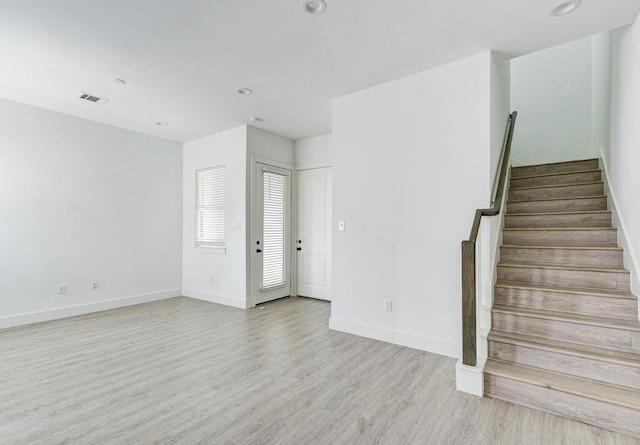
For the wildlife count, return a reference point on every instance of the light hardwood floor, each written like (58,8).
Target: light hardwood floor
(182,371)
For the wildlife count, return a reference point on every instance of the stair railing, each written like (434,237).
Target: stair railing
(469,322)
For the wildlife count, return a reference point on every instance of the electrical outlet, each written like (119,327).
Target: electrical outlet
(62,289)
(94,285)
(388,306)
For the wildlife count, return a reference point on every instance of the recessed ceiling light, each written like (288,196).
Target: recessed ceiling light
(255,119)
(245,91)
(314,7)
(565,7)
(119,81)
(162,124)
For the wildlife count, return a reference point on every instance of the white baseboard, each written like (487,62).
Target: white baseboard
(219,299)
(470,379)
(630,257)
(72,311)
(428,344)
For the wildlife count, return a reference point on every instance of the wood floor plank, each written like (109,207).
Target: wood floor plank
(182,371)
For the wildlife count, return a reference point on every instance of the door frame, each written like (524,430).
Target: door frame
(251,209)
(294,256)
(307,167)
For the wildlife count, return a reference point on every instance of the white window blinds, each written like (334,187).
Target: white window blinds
(273,254)
(210,207)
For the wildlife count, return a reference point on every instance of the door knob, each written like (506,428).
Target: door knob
(299,248)
(259,250)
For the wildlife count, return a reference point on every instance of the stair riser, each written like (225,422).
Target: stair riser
(565,167)
(569,178)
(586,367)
(572,220)
(600,336)
(570,191)
(605,237)
(576,304)
(560,205)
(593,412)
(559,257)
(565,278)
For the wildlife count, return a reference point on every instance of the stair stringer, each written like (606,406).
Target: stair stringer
(630,258)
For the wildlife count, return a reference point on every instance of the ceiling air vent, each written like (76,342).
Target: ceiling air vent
(92,98)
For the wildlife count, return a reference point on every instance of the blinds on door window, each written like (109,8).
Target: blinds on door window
(210,205)
(273,254)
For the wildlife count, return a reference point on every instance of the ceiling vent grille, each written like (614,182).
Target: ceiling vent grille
(92,98)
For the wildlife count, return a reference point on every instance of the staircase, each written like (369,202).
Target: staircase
(565,335)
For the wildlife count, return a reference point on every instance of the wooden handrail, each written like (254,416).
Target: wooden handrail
(469,340)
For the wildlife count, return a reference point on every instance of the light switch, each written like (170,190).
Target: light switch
(341,226)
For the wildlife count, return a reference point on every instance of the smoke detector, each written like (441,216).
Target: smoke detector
(94,99)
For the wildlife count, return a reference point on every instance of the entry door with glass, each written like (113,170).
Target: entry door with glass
(271,227)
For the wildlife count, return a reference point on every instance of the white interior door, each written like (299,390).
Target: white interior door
(314,233)
(271,229)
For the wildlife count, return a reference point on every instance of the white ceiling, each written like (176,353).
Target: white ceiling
(184,60)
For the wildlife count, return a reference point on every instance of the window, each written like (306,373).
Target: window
(274,230)
(210,207)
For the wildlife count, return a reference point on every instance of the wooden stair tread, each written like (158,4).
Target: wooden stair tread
(575,212)
(559,247)
(558,174)
(552,186)
(568,290)
(603,392)
(575,349)
(613,323)
(556,229)
(556,163)
(558,199)
(564,267)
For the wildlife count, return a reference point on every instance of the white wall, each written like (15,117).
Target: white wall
(313,151)
(82,201)
(270,146)
(600,92)
(500,106)
(623,157)
(411,161)
(211,274)
(551,90)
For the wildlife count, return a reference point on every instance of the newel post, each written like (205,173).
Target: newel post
(469,355)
